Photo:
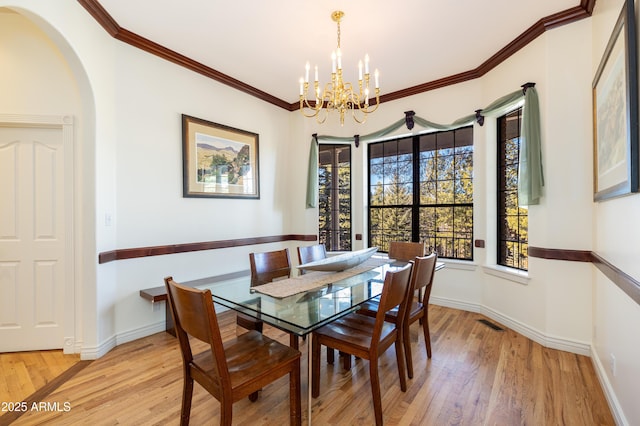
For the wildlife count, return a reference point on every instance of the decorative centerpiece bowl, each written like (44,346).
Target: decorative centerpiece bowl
(341,261)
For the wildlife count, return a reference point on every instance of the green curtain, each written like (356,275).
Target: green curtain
(312,176)
(531,179)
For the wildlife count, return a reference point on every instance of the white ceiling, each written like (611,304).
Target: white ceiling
(266,44)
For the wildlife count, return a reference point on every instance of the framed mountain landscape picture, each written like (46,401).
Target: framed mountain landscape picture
(218,160)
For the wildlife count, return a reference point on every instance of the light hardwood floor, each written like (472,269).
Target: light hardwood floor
(477,376)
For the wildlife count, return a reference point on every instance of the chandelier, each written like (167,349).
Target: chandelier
(338,95)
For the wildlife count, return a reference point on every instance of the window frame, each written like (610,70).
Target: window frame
(417,204)
(520,263)
(335,201)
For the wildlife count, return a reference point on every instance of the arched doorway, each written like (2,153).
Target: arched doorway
(43,74)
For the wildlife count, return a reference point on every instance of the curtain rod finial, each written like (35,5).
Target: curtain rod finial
(408,119)
(526,86)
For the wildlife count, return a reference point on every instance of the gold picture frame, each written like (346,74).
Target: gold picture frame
(219,161)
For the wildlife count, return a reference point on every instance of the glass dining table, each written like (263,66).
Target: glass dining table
(314,299)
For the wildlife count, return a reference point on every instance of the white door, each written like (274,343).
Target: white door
(35,238)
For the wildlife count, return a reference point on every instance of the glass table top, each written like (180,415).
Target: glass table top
(302,313)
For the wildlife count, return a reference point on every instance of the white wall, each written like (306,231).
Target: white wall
(151,96)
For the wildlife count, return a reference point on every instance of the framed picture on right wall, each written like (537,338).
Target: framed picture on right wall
(615,112)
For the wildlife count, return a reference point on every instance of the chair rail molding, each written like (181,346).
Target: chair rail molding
(135,252)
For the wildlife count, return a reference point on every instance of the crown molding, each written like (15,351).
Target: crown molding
(552,21)
(103,17)
(95,9)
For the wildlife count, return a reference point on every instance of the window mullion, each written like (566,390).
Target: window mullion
(415,208)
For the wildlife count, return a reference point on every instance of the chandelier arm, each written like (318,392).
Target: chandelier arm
(308,115)
(321,118)
(304,108)
(355,117)
(309,106)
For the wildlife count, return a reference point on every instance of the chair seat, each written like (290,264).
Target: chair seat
(370,308)
(251,359)
(357,330)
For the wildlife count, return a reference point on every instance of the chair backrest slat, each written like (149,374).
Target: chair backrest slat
(423,271)
(267,266)
(421,279)
(312,253)
(405,251)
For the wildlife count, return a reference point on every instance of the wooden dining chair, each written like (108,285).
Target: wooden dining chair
(312,253)
(367,337)
(417,309)
(229,370)
(265,267)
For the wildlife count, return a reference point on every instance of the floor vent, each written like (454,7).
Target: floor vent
(491,325)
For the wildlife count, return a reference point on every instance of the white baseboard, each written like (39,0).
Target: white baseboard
(610,395)
(138,333)
(455,304)
(573,346)
(95,352)
(120,338)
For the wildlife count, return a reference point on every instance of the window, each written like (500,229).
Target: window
(421,189)
(334,198)
(513,220)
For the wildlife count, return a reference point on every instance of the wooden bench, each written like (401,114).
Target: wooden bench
(159,294)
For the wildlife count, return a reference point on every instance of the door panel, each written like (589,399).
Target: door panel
(33,238)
